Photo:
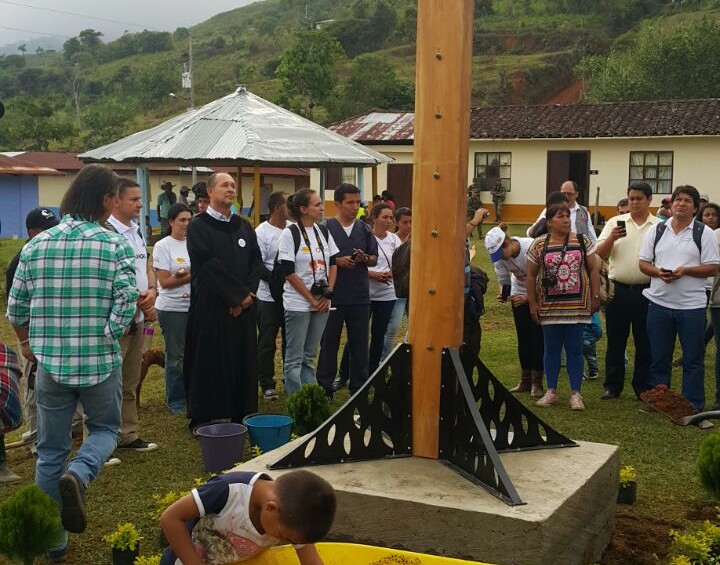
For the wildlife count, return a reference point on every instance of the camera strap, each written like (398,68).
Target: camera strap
(562,253)
(320,245)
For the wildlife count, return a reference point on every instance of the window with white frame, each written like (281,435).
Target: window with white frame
(491,168)
(653,167)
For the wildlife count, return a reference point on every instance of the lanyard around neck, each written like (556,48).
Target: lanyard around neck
(320,245)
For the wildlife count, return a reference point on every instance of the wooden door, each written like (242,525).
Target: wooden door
(400,182)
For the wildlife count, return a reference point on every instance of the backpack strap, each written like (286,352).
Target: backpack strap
(698,229)
(295,231)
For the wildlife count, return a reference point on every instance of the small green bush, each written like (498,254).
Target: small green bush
(148,560)
(125,538)
(308,407)
(708,463)
(29,524)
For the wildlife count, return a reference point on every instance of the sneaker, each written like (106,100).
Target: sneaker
(111,462)
(7,477)
(270,394)
(339,383)
(72,502)
(548,399)
(592,376)
(57,555)
(576,401)
(139,445)
(705,424)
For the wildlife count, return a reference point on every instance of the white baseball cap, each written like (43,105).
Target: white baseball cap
(494,240)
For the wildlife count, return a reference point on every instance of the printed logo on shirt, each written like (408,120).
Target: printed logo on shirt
(305,249)
(569,275)
(318,266)
(180,260)
(140,256)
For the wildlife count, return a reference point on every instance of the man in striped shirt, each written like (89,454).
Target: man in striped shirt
(73,297)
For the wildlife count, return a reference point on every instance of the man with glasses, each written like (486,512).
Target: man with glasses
(580,221)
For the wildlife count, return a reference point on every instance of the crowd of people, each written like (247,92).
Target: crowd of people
(661,278)
(82,295)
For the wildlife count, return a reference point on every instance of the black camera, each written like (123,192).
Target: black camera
(549,280)
(321,289)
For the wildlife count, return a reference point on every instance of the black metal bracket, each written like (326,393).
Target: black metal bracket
(478,418)
(465,442)
(375,423)
(513,426)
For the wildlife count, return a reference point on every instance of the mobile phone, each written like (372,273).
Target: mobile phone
(665,270)
(621,224)
(354,255)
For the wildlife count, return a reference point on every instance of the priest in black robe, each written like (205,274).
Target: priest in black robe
(220,366)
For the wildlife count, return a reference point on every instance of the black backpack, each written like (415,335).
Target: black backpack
(475,299)
(276,281)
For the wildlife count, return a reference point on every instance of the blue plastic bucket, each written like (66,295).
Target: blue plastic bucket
(221,445)
(268,431)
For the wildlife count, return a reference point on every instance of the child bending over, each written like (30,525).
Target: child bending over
(235,516)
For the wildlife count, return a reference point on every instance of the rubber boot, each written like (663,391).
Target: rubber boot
(524,384)
(536,389)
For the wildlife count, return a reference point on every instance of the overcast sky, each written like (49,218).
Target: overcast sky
(165,15)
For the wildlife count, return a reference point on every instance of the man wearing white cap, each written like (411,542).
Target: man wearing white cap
(509,256)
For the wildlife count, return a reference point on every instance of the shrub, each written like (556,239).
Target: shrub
(708,463)
(627,475)
(29,524)
(308,407)
(125,538)
(147,560)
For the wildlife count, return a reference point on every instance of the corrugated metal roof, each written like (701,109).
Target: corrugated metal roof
(238,129)
(15,166)
(378,127)
(655,118)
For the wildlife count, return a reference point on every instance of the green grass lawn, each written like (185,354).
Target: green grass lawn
(663,454)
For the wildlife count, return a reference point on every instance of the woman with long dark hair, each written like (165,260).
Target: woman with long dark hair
(171,262)
(563,285)
(306,253)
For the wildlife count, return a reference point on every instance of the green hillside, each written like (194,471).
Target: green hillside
(524,51)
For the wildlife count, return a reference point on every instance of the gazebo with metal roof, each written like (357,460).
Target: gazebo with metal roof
(240,129)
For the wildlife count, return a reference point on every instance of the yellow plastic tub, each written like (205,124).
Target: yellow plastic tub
(354,554)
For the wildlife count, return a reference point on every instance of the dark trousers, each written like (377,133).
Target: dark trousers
(356,319)
(270,319)
(530,341)
(627,310)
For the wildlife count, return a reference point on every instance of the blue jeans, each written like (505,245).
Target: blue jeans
(590,353)
(55,409)
(380,314)
(303,331)
(569,336)
(173,328)
(663,325)
(399,310)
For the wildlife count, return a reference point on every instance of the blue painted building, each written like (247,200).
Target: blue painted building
(18,193)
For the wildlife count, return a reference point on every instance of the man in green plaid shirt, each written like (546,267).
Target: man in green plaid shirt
(72,299)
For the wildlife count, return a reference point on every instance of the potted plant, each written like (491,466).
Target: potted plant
(29,525)
(125,544)
(628,485)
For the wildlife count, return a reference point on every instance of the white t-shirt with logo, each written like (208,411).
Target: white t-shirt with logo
(170,254)
(379,291)
(268,238)
(293,301)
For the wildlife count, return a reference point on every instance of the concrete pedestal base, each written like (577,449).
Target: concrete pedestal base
(421,505)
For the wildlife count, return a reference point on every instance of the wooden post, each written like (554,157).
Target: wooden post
(442,130)
(238,189)
(374,183)
(256,195)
